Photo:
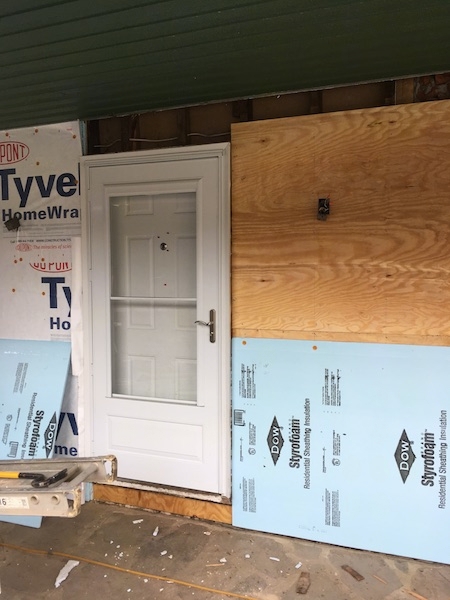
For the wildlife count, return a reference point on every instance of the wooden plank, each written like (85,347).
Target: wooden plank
(330,336)
(340,299)
(281,105)
(353,573)
(379,265)
(209,511)
(404,90)
(388,247)
(357,96)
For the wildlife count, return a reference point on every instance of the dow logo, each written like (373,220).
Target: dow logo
(275,440)
(404,456)
(50,435)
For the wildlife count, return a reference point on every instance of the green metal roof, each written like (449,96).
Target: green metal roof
(85,59)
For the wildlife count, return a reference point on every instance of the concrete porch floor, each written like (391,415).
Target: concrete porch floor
(121,558)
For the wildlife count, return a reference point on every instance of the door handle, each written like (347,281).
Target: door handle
(211,324)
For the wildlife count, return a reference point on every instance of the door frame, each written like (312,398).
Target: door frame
(222,153)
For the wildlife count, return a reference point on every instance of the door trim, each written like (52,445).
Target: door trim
(222,153)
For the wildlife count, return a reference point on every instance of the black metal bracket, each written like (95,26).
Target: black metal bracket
(323,209)
(12,224)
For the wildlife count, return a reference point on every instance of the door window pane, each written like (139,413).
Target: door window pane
(153,296)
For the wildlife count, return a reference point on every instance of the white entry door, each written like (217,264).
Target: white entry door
(157,237)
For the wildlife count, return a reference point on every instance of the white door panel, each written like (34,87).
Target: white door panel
(158,247)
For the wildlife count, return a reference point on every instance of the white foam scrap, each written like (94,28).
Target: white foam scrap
(206,533)
(247,556)
(170,555)
(298,565)
(164,552)
(138,521)
(223,560)
(155,533)
(63,574)
(274,558)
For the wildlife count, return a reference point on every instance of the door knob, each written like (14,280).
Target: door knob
(211,324)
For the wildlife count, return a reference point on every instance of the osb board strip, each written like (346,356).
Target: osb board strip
(209,511)
(379,264)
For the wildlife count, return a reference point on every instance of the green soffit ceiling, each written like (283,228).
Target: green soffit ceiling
(85,59)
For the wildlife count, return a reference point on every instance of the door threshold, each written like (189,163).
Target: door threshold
(177,501)
(171,490)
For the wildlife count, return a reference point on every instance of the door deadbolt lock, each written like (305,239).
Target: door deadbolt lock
(211,324)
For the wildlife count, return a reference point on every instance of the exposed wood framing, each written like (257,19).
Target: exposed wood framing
(242,110)
(209,511)
(404,91)
(183,126)
(316,105)
(209,123)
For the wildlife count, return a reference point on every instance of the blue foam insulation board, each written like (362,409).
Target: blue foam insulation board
(343,443)
(33,376)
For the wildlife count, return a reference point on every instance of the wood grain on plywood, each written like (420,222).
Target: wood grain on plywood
(379,265)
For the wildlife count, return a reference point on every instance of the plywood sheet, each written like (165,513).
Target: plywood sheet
(379,264)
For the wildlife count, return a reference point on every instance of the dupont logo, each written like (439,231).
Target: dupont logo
(13,152)
(404,456)
(51,267)
(275,440)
